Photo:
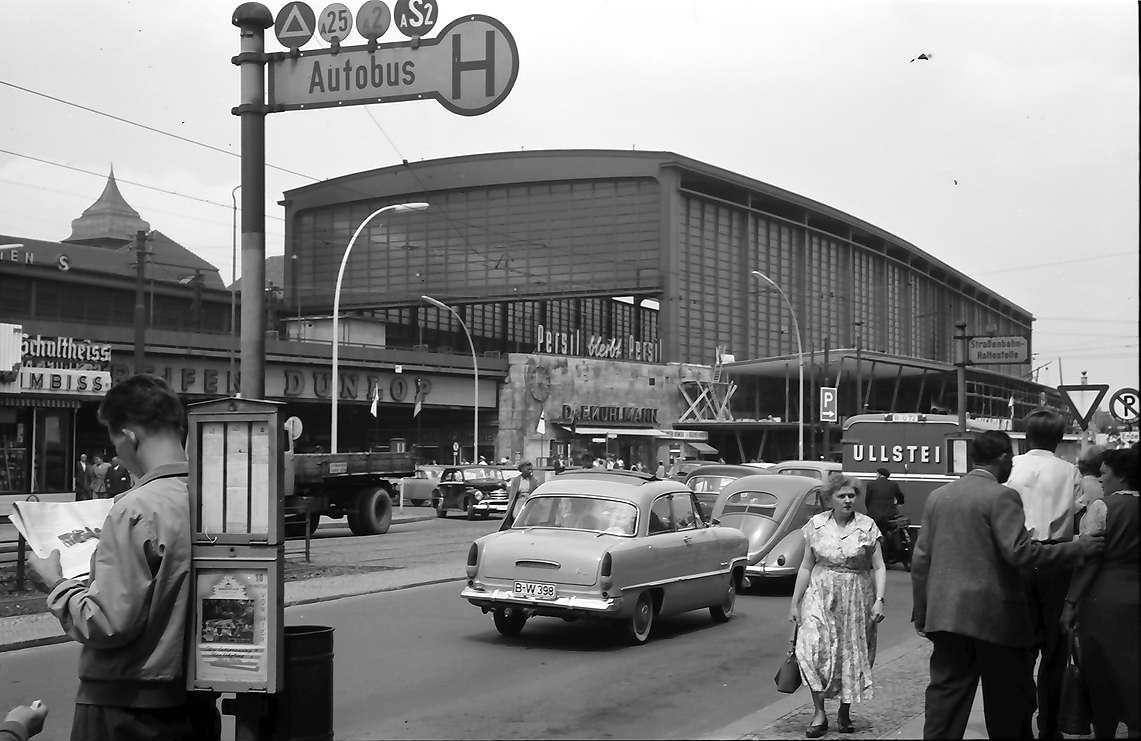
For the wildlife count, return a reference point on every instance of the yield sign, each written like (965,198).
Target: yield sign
(294,25)
(1083,400)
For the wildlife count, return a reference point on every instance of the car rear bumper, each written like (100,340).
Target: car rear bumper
(577,605)
(771,571)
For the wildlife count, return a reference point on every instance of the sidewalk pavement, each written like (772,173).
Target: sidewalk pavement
(38,629)
(896,710)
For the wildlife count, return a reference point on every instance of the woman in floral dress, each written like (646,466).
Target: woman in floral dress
(837,603)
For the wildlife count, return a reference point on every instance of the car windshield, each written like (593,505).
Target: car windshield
(482,473)
(571,512)
(811,473)
(750,502)
(706,488)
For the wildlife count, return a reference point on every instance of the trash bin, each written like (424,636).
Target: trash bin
(306,707)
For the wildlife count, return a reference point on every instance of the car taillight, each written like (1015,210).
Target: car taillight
(473,555)
(607,564)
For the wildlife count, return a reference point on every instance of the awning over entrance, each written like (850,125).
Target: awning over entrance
(618,431)
(702,448)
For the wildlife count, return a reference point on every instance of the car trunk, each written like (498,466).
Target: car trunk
(757,528)
(544,555)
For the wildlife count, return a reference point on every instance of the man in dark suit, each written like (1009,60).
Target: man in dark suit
(81,475)
(970,600)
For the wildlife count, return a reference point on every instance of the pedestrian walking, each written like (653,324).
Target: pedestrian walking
(517,492)
(837,604)
(969,597)
(1089,466)
(1050,489)
(118,477)
(81,477)
(1103,600)
(660,472)
(97,477)
(130,615)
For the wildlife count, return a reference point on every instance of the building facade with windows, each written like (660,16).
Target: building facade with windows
(646,257)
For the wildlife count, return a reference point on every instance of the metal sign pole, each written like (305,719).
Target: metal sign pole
(252,19)
(961,375)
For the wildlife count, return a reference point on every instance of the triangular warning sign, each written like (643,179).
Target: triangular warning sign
(1083,400)
(294,26)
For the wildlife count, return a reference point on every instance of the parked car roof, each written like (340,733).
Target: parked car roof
(632,486)
(728,469)
(786,489)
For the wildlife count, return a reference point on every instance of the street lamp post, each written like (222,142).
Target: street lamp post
(800,363)
(233,292)
(335,382)
(475,372)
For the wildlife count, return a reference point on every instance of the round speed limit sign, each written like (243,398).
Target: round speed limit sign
(335,23)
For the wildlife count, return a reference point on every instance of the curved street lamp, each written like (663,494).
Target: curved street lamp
(800,363)
(335,384)
(475,371)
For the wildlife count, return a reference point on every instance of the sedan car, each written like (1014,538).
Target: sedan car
(770,509)
(422,487)
(476,490)
(620,546)
(819,470)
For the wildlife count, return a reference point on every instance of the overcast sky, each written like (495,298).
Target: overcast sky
(1031,107)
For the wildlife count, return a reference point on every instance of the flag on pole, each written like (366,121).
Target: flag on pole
(374,410)
(541,428)
(417,404)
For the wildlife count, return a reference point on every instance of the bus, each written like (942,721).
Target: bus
(918,450)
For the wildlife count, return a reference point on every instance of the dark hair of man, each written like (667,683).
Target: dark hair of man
(1044,429)
(1090,463)
(884,472)
(144,401)
(1123,463)
(987,447)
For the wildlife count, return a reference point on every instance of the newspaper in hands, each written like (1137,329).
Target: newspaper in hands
(72,528)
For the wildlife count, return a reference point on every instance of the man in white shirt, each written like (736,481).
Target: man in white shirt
(1050,489)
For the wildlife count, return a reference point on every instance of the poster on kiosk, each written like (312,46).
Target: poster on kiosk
(235,451)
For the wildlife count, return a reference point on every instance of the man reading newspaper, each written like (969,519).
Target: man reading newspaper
(131,615)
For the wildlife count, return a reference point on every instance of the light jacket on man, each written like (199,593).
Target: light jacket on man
(965,571)
(131,615)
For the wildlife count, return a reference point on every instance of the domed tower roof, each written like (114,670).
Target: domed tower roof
(109,222)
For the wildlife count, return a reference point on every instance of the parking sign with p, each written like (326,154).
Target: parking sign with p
(828,404)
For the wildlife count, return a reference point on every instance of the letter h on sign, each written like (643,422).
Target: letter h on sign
(487,64)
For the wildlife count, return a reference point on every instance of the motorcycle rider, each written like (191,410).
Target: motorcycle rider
(882,500)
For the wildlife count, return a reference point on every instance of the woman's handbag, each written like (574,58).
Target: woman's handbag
(1074,711)
(788,675)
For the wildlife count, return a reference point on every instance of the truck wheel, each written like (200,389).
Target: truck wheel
(373,513)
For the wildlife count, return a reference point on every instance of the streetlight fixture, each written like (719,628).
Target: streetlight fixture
(335,383)
(475,372)
(800,362)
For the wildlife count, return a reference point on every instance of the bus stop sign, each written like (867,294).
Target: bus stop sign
(469,69)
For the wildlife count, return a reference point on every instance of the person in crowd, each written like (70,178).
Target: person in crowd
(118,477)
(559,467)
(517,492)
(1050,488)
(837,603)
(130,617)
(23,721)
(660,472)
(97,477)
(1089,466)
(1103,600)
(82,478)
(882,499)
(969,597)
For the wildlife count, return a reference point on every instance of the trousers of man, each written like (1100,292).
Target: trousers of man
(1046,592)
(958,662)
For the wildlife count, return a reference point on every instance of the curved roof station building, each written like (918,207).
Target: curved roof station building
(635,257)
